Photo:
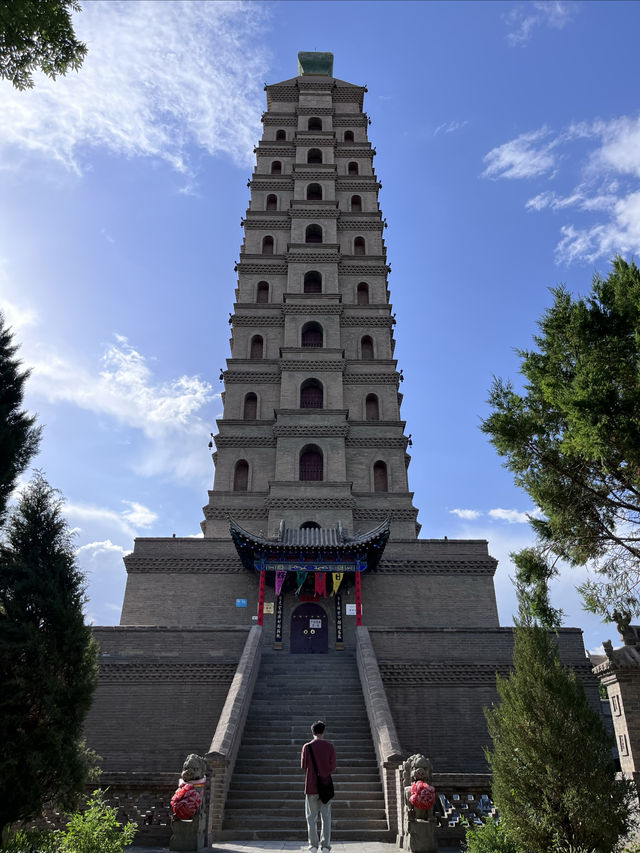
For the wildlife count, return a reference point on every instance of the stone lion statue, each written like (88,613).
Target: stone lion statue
(419,822)
(194,767)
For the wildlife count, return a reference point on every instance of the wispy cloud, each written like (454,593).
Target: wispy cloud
(527,156)
(450,127)
(512,516)
(468,514)
(159,79)
(171,414)
(526,17)
(606,155)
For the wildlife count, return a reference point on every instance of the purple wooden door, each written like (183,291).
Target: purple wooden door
(309,630)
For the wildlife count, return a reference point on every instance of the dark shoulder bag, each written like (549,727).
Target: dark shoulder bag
(325,789)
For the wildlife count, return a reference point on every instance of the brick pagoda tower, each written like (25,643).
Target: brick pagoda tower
(310,535)
(311,431)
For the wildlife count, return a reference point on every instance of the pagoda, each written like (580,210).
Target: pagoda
(310,549)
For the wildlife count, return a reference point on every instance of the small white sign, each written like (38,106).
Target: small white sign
(254,618)
(351,609)
(315,623)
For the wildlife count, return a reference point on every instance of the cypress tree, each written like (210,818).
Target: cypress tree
(47,659)
(554,779)
(19,436)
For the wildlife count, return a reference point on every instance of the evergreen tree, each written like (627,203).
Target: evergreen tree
(553,775)
(47,659)
(572,439)
(19,437)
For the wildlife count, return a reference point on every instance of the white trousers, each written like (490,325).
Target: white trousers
(314,806)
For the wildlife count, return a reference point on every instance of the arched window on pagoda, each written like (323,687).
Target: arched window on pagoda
(312,282)
(356,204)
(380,478)
(267,245)
(348,136)
(358,246)
(314,123)
(314,157)
(366,348)
(352,168)
(257,347)
(314,192)
(313,234)
(250,409)
(311,463)
(363,293)
(272,202)
(276,167)
(309,525)
(372,408)
(312,335)
(281,134)
(241,476)
(262,294)
(311,394)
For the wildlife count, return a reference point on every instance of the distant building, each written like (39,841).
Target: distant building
(619,671)
(310,581)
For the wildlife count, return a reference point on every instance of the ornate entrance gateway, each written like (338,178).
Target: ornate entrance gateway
(309,630)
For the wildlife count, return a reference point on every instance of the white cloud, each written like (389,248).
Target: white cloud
(101,562)
(95,549)
(139,515)
(620,150)
(511,516)
(607,156)
(526,156)
(127,522)
(124,388)
(468,514)
(159,78)
(526,17)
(450,127)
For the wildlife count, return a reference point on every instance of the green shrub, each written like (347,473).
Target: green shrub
(96,830)
(31,841)
(488,838)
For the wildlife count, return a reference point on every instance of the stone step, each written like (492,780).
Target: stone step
(263,822)
(297,777)
(278,739)
(278,768)
(370,809)
(352,792)
(360,835)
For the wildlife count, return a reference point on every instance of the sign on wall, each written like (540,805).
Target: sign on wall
(241,602)
(268,607)
(350,609)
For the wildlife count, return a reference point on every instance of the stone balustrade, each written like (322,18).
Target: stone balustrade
(223,751)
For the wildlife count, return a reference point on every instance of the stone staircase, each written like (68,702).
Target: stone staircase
(266,795)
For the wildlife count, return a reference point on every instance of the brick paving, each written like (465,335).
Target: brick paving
(289,847)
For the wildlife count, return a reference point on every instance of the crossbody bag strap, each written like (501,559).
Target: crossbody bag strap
(313,758)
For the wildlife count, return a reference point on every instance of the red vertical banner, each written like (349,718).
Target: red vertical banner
(261,597)
(358,598)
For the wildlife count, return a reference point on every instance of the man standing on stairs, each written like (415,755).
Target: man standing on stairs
(325,755)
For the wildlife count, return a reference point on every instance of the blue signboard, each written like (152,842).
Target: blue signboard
(241,602)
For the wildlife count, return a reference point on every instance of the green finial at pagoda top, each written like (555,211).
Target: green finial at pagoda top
(313,62)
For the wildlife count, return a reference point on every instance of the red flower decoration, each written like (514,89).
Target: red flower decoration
(422,795)
(185,802)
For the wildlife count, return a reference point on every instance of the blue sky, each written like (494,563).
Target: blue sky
(508,140)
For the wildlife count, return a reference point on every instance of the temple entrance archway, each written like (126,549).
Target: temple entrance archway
(309,630)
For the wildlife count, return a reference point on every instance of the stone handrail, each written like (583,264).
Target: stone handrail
(223,751)
(385,739)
